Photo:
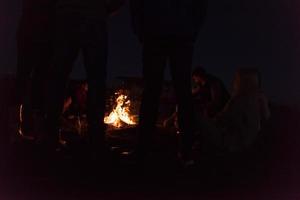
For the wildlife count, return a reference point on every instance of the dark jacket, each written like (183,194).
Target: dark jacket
(92,8)
(179,18)
(37,9)
(37,19)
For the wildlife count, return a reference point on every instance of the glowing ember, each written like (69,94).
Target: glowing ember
(121,113)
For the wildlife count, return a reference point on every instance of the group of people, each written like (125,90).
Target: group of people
(238,125)
(52,32)
(227,122)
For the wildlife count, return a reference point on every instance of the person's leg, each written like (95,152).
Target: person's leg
(181,66)
(33,58)
(44,58)
(44,50)
(94,41)
(25,64)
(25,58)
(34,54)
(39,76)
(154,63)
(27,40)
(66,49)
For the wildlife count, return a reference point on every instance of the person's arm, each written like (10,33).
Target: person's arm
(114,6)
(67,104)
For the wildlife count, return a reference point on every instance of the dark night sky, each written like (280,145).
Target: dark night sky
(262,33)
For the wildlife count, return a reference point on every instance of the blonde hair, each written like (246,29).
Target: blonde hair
(246,81)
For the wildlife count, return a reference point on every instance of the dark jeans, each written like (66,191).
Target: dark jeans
(35,54)
(156,54)
(75,33)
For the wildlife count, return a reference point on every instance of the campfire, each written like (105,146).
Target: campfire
(121,115)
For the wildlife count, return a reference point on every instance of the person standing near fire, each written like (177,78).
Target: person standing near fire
(167,30)
(80,25)
(35,53)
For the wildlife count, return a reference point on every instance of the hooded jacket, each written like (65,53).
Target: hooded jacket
(179,18)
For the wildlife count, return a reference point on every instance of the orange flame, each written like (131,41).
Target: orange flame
(121,113)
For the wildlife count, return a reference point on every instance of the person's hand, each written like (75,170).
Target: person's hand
(165,123)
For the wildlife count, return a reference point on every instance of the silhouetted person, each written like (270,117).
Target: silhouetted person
(209,96)
(35,51)
(209,92)
(75,102)
(237,127)
(81,25)
(167,30)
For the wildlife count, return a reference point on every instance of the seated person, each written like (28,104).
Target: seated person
(237,127)
(74,111)
(81,98)
(209,92)
(76,101)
